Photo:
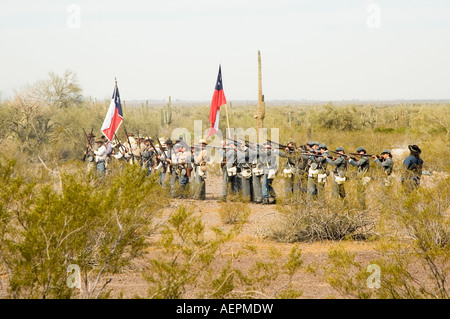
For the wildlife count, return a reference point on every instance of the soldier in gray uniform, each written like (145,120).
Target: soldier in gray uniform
(385,162)
(257,174)
(412,168)
(245,173)
(290,174)
(363,165)
(270,165)
(232,169)
(315,167)
(322,166)
(340,169)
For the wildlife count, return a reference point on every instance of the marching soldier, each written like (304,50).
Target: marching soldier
(340,169)
(200,160)
(385,162)
(167,152)
(362,179)
(412,166)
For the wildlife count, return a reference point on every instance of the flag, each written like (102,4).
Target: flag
(114,117)
(217,101)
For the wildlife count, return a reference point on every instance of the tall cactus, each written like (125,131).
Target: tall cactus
(166,114)
(260,114)
(372,118)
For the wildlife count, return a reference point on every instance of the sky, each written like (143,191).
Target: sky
(310,49)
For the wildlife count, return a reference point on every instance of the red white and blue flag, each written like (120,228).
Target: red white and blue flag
(114,117)
(217,101)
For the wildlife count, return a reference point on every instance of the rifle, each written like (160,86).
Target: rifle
(357,154)
(129,143)
(352,157)
(89,142)
(280,146)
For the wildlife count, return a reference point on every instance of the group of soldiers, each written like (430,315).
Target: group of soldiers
(250,168)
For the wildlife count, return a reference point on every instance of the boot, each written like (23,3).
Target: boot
(265,201)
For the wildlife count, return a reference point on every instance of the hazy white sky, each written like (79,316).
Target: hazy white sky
(311,49)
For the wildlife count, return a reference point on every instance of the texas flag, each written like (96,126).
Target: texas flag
(217,101)
(114,117)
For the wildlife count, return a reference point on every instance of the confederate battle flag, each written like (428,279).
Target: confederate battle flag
(217,101)
(114,117)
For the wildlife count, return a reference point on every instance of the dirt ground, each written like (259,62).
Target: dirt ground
(131,283)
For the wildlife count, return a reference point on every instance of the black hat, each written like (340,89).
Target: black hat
(414,149)
(169,142)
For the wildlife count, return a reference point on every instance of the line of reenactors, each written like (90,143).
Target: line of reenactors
(250,168)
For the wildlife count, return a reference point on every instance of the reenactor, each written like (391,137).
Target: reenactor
(200,169)
(167,157)
(257,174)
(269,161)
(302,168)
(147,156)
(323,174)
(100,157)
(385,161)
(223,168)
(90,156)
(179,162)
(315,168)
(340,169)
(290,171)
(363,165)
(245,173)
(412,168)
(232,169)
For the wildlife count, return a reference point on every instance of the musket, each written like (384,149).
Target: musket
(353,158)
(280,146)
(357,154)
(129,143)
(89,142)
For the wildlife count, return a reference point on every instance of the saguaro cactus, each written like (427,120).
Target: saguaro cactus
(372,118)
(166,114)
(260,114)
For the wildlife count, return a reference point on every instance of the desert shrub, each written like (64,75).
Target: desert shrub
(188,261)
(233,213)
(307,223)
(414,253)
(185,255)
(99,226)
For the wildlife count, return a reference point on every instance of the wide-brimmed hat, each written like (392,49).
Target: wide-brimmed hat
(414,149)
(100,141)
(386,151)
(340,149)
(91,135)
(323,146)
(169,142)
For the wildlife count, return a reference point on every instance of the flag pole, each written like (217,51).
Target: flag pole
(228,122)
